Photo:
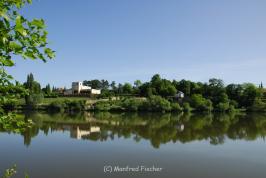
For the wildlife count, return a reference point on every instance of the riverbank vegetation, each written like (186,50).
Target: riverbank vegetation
(157,95)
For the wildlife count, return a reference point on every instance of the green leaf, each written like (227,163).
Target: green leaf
(4,39)
(49,53)
(19,27)
(38,23)
(4,15)
(7,62)
(29,54)
(15,46)
(18,21)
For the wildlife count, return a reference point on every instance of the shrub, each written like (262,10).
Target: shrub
(131,104)
(156,103)
(67,105)
(10,105)
(186,107)
(231,108)
(33,99)
(102,106)
(77,105)
(51,95)
(233,103)
(222,107)
(258,106)
(200,103)
(176,107)
(57,106)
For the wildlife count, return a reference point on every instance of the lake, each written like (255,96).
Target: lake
(138,145)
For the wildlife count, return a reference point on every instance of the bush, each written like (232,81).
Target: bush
(156,103)
(10,105)
(33,99)
(186,107)
(231,108)
(234,103)
(131,104)
(222,107)
(176,107)
(67,105)
(77,105)
(57,106)
(103,106)
(51,95)
(258,106)
(200,103)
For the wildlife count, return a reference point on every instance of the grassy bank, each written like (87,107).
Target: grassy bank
(132,104)
(124,104)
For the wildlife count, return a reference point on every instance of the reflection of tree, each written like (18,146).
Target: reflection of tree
(157,128)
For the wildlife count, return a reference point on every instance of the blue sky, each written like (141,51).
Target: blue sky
(124,40)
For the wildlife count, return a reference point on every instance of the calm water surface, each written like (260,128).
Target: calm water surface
(185,146)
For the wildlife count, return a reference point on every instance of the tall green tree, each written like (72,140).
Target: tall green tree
(35,93)
(19,37)
(127,88)
(47,89)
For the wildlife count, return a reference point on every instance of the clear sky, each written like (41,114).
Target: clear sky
(124,40)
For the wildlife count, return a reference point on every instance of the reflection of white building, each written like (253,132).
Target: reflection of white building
(79,88)
(79,133)
(180,127)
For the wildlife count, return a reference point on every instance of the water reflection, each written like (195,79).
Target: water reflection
(157,128)
(76,132)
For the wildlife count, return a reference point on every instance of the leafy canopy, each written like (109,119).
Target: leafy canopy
(19,36)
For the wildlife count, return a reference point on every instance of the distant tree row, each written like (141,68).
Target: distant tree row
(161,95)
(212,95)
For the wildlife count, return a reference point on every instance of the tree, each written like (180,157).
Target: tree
(120,88)
(200,103)
(250,93)
(137,83)
(155,79)
(218,83)
(47,90)
(21,37)
(261,85)
(35,93)
(185,87)
(165,88)
(216,92)
(96,84)
(235,92)
(136,88)
(127,88)
(113,86)
(104,84)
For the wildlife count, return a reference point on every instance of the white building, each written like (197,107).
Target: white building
(180,94)
(79,88)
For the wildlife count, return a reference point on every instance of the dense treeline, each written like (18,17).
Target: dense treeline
(156,95)
(213,95)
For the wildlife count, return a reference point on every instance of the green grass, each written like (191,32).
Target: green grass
(47,101)
(50,100)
